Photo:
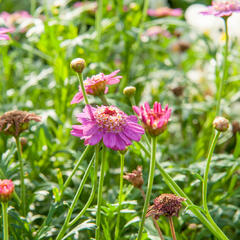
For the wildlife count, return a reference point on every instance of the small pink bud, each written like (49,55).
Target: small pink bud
(221,124)
(6,190)
(78,64)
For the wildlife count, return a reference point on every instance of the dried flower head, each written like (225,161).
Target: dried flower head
(6,190)
(223,8)
(78,64)
(180,46)
(135,177)
(15,122)
(221,124)
(177,91)
(107,123)
(154,120)
(166,204)
(97,85)
(235,127)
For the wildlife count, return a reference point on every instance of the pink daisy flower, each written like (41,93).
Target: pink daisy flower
(157,30)
(6,190)
(165,12)
(107,123)
(3,31)
(223,8)
(154,120)
(97,85)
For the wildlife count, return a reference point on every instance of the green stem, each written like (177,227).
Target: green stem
(172,228)
(120,197)
(19,151)
(99,197)
(178,191)
(80,78)
(150,183)
(225,69)
(99,19)
(91,197)
(76,197)
(5,220)
(104,100)
(82,157)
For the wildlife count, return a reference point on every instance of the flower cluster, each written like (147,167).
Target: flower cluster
(154,120)
(107,123)
(6,190)
(97,85)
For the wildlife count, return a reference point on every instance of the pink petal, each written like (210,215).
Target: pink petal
(106,90)
(136,110)
(95,138)
(132,118)
(77,98)
(109,139)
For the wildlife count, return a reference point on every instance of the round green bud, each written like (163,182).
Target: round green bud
(78,64)
(129,91)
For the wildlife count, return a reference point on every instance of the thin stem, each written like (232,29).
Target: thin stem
(150,183)
(82,157)
(153,219)
(5,220)
(99,197)
(204,186)
(80,78)
(104,100)
(225,69)
(120,197)
(23,198)
(76,197)
(172,228)
(99,19)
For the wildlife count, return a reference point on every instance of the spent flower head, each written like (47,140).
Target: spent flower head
(166,204)
(221,124)
(223,8)
(154,120)
(6,190)
(135,177)
(107,123)
(97,85)
(15,122)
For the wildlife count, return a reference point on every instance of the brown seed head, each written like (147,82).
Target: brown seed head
(129,91)
(78,64)
(177,91)
(135,177)
(15,122)
(235,127)
(221,124)
(166,204)
(180,46)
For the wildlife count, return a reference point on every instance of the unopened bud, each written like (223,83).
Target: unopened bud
(6,190)
(135,177)
(129,91)
(123,152)
(78,64)
(221,124)
(23,141)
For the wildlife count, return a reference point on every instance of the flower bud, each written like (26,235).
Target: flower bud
(6,190)
(123,152)
(129,91)
(23,141)
(78,64)
(221,124)
(135,177)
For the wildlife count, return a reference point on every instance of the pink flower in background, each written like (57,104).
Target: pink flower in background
(157,30)
(97,85)
(107,123)
(223,8)
(3,31)
(154,120)
(164,12)
(6,190)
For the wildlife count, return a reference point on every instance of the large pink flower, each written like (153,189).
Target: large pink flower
(107,123)
(97,85)
(3,31)
(223,8)
(154,120)
(164,12)
(6,190)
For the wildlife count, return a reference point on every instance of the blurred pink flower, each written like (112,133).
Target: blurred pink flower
(3,31)
(154,120)
(6,190)
(107,123)
(157,30)
(223,8)
(164,12)
(97,85)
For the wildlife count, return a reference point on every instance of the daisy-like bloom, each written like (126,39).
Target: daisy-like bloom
(3,33)
(97,85)
(165,12)
(223,8)
(6,190)
(166,204)
(15,122)
(154,120)
(107,123)
(135,177)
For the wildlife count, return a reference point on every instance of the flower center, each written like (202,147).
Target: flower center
(110,118)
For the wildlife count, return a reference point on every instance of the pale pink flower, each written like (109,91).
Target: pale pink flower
(165,12)
(97,85)
(3,31)
(223,8)
(157,30)
(6,190)
(107,123)
(154,120)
